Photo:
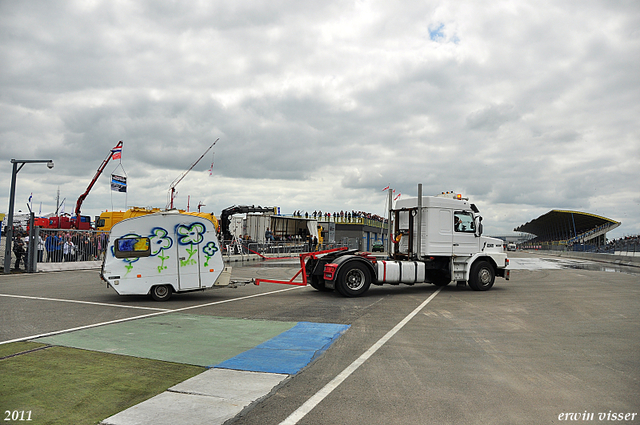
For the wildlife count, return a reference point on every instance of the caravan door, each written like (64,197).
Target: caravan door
(190,236)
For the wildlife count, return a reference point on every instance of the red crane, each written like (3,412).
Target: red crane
(82,197)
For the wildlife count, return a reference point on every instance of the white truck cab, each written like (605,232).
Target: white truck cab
(447,236)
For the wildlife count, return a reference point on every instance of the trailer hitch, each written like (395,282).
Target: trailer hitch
(303,268)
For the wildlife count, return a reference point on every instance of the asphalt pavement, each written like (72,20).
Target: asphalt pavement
(550,342)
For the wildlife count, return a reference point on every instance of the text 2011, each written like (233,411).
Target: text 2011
(17,415)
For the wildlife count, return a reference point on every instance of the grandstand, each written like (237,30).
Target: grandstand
(568,230)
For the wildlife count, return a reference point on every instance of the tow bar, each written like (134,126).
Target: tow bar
(303,268)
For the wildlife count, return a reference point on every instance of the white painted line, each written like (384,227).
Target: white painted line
(127,319)
(26,297)
(302,411)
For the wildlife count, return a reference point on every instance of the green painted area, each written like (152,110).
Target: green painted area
(180,338)
(60,385)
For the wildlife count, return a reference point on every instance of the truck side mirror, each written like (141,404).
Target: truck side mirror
(478,221)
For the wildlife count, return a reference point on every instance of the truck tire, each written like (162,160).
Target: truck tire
(353,280)
(161,292)
(318,283)
(482,276)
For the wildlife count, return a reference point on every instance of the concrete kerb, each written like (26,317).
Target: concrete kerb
(213,397)
(620,260)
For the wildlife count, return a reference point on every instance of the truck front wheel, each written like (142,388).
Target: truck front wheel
(161,292)
(353,280)
(482,276)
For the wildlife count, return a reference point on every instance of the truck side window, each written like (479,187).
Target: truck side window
(132,247)
(463,222)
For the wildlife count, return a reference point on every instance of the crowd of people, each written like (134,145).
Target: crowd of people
(342,216)
(626,244)
(55,246)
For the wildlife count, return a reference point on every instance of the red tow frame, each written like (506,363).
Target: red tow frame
(303,268)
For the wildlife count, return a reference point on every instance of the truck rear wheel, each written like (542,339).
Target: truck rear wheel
(161,292)
(482,276)
(353,280)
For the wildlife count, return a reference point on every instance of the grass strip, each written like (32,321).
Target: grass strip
(18,347)
(63,385)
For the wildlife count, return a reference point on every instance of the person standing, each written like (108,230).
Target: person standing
(18,250)
(69,250)
(40,249)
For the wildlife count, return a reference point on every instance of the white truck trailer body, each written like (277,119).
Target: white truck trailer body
(162,253)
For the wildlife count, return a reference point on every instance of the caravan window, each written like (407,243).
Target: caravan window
(463,222)
(132,247)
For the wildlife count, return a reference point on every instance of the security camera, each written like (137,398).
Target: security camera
(50,164)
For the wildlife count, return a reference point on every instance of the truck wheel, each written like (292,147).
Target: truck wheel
(161,292)
(353,280)
(482,276)
(318,283)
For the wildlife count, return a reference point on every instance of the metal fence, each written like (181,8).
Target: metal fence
(58,246)
(55,246)
(66,246)
(272,249)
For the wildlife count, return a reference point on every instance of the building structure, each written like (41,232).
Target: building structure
(565,229)
(356,232)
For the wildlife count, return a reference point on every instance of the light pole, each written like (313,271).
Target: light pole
(9,231)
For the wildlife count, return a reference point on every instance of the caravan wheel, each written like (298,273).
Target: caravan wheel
(161,292)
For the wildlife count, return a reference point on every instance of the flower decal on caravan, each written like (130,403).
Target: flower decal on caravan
(192,235)
(210,250)
(159,242)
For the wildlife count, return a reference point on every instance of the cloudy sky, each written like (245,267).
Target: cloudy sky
(523,106)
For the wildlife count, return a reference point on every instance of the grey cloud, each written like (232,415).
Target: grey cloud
(534,106)
(490,118)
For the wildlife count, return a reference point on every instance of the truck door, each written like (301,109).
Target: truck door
(465,242)
(189,236)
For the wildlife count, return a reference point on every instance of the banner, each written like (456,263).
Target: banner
(118,183)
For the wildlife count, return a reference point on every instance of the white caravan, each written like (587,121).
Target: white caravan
(162,253)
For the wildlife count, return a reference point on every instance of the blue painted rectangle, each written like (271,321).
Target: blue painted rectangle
(288,352)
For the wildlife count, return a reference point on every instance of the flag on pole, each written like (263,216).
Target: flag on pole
(386,188)
(117,152)
(396,198)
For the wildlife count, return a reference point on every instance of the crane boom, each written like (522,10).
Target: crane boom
(172,188)
(82,197)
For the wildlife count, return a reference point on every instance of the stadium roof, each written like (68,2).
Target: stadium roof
(563,225)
